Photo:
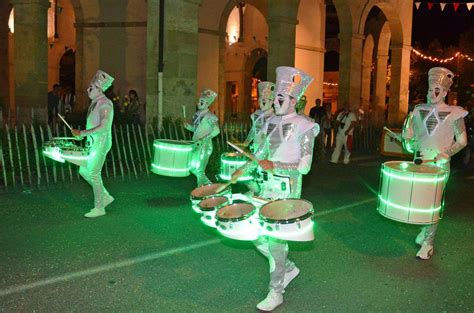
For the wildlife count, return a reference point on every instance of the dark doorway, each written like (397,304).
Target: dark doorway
(67,70)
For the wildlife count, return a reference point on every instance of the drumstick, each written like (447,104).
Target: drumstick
(248,155)
(230,181)
(68,126)
(392,134)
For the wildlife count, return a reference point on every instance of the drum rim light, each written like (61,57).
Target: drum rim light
(303,217)
(408,209)
(187,149)
(162,168)
(213,208)
(236,219)
(432,179)
(225,191)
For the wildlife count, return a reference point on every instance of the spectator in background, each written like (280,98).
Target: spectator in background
(326,124)
(68,100)
(133,109)
(345,123)
(53,104)
(317,112)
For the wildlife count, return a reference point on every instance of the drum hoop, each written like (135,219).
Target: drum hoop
(237,219)
(222,192)
(305,216)
(217,207)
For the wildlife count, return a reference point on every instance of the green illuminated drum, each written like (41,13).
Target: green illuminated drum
(410,193)
(230,162)
(172,157)
(63,149)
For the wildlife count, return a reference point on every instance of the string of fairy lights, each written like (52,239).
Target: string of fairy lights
(456,56)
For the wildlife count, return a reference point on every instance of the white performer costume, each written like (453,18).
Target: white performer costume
(289,148)
(431,130)
(205,127)
(345,127)
(266,95)
(99,136)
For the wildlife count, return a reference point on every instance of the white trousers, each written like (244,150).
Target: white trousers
(276,251)
(341,141)
(92,173)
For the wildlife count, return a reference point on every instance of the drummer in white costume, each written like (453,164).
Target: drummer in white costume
(286,156)
(436,130)
(266,95)
(99,137)
(205,127)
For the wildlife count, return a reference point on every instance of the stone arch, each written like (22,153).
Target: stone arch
(262,8)
(367,56)
(392,16)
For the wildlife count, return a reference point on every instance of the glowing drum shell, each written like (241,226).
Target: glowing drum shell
(410,193)
(52,149)
(75,154)
(230,162)
(209,207)
(238,221)
(287,219)
(172,157)
(205,191)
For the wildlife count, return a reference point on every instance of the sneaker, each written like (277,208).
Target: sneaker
(95,213)
(346,161)
(420,238)
(333,162)
(289,276)
(425,252)
(108,199)
(270,303)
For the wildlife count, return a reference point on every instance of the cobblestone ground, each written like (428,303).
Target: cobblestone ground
(151,253)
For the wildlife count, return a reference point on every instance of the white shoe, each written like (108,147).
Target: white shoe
(108,199)
(346,161)
(421,237)
(289,276)
(425,252)
(95,213)
(333,162)
(272,300)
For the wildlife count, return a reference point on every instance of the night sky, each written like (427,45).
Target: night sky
(446,26)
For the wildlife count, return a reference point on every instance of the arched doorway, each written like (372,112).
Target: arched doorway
(67,69)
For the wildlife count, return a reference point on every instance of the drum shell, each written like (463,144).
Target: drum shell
(243,228)
(209,213)
(410,197)
(292,229)
(230,162)
(76,155)
(172,158)
(196,199)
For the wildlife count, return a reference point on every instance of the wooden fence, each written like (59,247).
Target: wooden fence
(23,166)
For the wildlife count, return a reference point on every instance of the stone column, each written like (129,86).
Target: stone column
(350,65)
(365,83)
(400,76)
(5,8)
(152,56)
(281,35)
(31,59)
(380,89)
(180,57)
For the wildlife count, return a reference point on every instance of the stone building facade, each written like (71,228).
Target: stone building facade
(219,44)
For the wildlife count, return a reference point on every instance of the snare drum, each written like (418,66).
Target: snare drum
(410,193)
(200,193)
(230,162)
(52,149)
(209,207)
(172,157)
(238,221)
(75,154)
(287,219)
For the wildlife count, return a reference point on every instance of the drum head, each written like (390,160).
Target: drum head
(212,203)
(206,190)
(286,211)
(410,167)
(235,212)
